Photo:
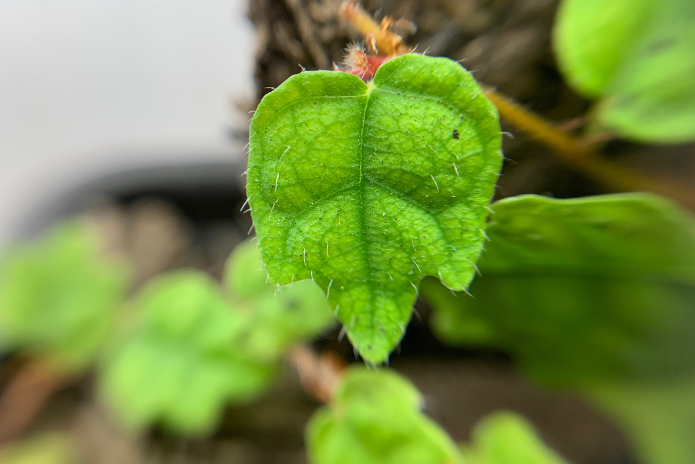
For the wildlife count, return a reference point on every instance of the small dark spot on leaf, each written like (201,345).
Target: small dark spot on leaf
(456,134)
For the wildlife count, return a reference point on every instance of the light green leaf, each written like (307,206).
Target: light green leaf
(182,364)
(595,295)
(374,418)
(58,296)
(276,318)
(365,188)
(507,438)
(636,56)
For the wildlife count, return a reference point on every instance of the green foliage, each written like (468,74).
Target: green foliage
(196,349)
(658,415)
(374,418)
(276,319)
(365,188)
(45,449)
(596,295)
(58,296)
(507,438)
(636,56)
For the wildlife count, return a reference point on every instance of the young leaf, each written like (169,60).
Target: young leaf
(594,295)
(275,319)
(180,366)
(507,438)
(58,296)
(365,188)
(374,418)
(636,56)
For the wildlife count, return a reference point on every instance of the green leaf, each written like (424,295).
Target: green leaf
(586,289)
(507,438)
(636,56)
(374,418)
(365,188)
(58,296)
(595,295)
(182,364)
(276,318)
(658,415)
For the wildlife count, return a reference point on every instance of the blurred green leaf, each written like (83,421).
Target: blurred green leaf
(374,418)
(196,348)
(507,438)
(45,449)
(58,296)
(636,56)
(658,415)
(182,364)
(277,318)
(591,294)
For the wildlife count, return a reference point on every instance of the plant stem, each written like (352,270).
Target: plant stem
(26,394)
(386,42)
(581,156)
(319,375)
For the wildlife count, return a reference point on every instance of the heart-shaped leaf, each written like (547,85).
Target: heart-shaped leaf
(365,188)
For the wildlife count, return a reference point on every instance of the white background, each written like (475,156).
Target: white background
(89,87)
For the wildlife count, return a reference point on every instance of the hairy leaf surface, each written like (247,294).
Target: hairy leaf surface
(636,56)
(375,418)
(365,188)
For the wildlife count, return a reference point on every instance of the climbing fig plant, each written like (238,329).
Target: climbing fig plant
(366,187)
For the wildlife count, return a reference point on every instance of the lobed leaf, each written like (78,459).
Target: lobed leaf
(374,418)
(636,56)
(366,188)
(595,295)
(195,348)
(180,365)
(58,296)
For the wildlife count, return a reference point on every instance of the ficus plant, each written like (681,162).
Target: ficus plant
(373,184)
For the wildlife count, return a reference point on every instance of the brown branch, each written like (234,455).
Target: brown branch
(319,375)
(24,397)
